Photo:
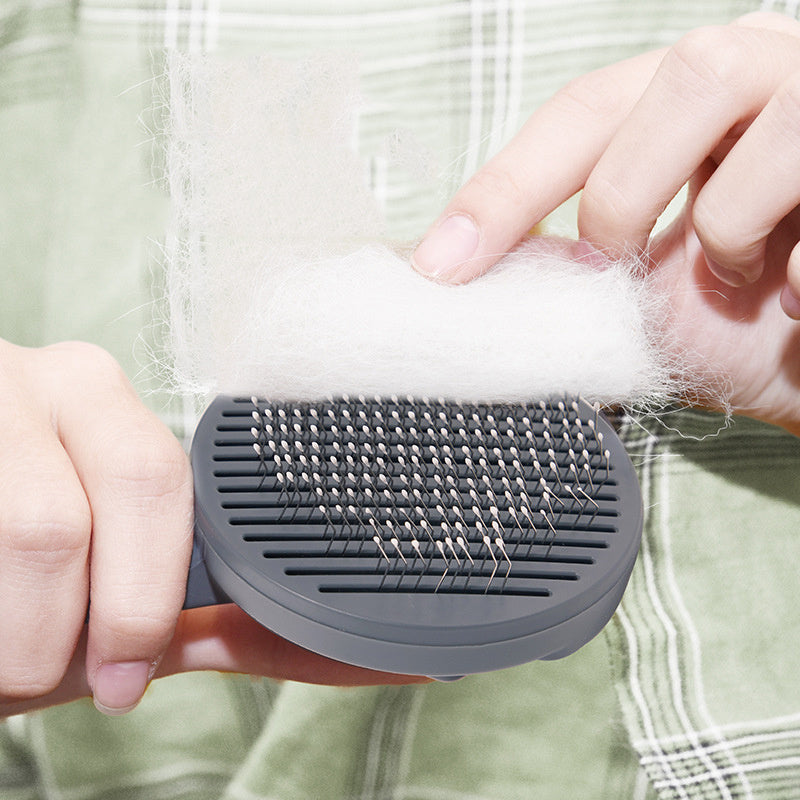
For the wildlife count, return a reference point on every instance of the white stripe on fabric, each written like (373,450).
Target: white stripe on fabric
(641,786)
(501,58)
(650,740)
(746,727)
(637,692)
(687,626)
(372,765)
(476,56)
(515,68)
(171,18)
(378,18)
(552,46)
(212,25)
(48,783)
(196,25)
(412,723)
(379,182)
(742,742)
(673,656)
(761,766)
(340,21)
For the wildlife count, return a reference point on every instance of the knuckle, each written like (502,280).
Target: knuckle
(495,181)
(710,227)
(787,99)
(150,465)
(27,680)
(604,205)
(708,60)
(48,529)
(135,622)
(596,95)
(723,234)
(85,361)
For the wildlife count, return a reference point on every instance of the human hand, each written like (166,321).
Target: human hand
(719,110)
(224,639)
(95,504)
(96,512)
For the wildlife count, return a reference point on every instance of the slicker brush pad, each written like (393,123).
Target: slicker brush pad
(418,537)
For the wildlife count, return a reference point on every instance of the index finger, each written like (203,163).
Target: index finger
(546,163)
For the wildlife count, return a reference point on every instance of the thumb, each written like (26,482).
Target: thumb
(224,639)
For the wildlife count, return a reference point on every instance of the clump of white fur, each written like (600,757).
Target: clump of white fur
(367,323)
(278,284)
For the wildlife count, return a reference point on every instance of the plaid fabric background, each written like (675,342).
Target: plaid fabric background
(701,650)
(706,636)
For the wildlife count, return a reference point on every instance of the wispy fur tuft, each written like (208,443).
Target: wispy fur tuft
(279,283)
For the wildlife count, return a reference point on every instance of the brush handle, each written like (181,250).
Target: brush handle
(200,591)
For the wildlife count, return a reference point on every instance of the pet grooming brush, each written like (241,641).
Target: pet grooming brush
(418,537)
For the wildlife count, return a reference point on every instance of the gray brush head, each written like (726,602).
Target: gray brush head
(411,536)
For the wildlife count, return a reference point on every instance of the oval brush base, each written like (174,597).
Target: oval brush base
(412,536)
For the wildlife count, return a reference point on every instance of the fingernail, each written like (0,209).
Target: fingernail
(447,247)
(726,275)
(790,303)
(119,686)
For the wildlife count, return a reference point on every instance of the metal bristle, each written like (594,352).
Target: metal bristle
(441,495)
